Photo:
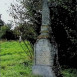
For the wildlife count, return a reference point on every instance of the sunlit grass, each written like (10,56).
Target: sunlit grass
(14,61)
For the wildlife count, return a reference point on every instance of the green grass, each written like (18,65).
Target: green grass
(16,62)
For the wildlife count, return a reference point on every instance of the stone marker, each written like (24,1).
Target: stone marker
(44,51)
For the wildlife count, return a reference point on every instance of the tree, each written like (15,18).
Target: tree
(27,14)
(6,33)
(64,30)
(3,31)
(1,23)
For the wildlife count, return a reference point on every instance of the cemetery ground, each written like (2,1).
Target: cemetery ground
(15,60)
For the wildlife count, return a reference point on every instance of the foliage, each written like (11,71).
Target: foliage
(6,33)
(16,32)
(29,15)
(15,62)
(69,72)
(1,23)
(28,32)
(63,19)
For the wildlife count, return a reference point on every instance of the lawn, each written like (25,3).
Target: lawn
(16,60)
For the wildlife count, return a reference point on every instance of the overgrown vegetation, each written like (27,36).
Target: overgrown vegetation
(15,62)
(69,72)
(7,33)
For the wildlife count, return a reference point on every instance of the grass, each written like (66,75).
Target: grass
(69,72)
(16,62)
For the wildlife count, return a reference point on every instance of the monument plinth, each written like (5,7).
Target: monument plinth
(44,51)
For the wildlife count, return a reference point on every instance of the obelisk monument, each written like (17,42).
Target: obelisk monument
(43,49)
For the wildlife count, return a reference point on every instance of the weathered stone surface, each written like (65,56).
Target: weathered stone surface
(44,52)
(45,13)
(44,58)
(45,71)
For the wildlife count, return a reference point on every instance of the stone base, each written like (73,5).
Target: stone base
(43,70)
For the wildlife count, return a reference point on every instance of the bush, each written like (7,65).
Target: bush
(6,33)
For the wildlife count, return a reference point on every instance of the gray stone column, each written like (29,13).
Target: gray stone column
(44,51)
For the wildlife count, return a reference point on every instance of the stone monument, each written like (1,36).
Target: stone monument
(44,50)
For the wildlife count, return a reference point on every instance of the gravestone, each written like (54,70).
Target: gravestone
(44,50)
